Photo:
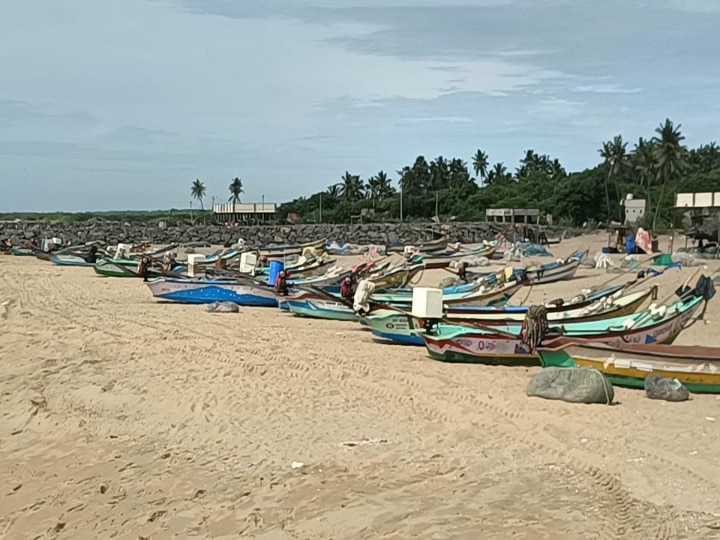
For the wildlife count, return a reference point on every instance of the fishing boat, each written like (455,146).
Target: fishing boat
(554,271)
(398,326)
(282,251)
(23,252)
(117,268)
(483,295)
(435,261)
(424,247)
(69,259)
(205,291)
(320,308)
(130,268)
(628,364)
(506,344)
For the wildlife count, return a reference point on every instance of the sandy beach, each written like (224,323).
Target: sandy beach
(122,417)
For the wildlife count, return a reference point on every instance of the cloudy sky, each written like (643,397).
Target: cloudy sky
(109,104)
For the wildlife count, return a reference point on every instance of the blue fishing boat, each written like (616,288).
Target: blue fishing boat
(207,291)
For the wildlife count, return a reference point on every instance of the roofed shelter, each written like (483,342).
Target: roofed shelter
(245,212)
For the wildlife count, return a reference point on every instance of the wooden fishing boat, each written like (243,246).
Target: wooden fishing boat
(320,308)
(129,268)
(435,261)
(398,326)
(505,344)
(22,252)
(69,259)
(480,296)
(279,252)
(202,291)
(424,247)
(554,271)
(628,364)
(117,268)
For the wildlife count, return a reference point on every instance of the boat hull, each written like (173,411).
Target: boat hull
(69,260)
(321,309)
(474,346)
(397,327)
(629,368)
(108,268)
(206,292)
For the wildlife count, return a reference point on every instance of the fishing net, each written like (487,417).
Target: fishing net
(657,387)
(574,385)
(535,326)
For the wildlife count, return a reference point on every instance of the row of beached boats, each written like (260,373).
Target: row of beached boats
(621,330)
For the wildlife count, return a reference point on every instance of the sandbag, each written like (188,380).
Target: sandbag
(574,385)
(223,307)
(657,387)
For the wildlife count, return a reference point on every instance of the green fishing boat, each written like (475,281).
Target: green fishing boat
(624,364)
(506,345)
(117,268)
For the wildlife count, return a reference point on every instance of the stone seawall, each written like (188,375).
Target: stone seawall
(113,232)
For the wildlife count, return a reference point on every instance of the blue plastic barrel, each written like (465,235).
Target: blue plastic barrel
(275,268)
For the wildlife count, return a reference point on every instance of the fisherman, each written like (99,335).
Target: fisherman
(346,288)
(167,261)
(462,271)
(143,268)
(281,285)
(91,257)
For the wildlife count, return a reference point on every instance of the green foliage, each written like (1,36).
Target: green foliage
(655,169)
(173,215)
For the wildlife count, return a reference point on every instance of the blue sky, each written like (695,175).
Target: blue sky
(108,104)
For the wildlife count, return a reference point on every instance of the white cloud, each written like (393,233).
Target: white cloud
(606,89)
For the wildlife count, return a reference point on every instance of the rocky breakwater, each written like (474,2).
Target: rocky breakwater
(113,232)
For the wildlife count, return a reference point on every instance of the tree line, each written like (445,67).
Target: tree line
(654,168)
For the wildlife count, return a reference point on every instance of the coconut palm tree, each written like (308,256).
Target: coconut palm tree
(669,156)
(480,164)
(352,187)
(497,174)
(643,164)
(236,189)
(384,187)
(373,189)
(439,174)
(459,174)
(615,155)
(198,192)
(334,191)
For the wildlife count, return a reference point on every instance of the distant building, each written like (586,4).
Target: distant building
(513,215)
(244,212)
(634,209)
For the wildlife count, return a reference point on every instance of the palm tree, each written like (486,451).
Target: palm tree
(351,187)
(497,174)
(480,164)
(615,155)
(643,163)
(236,189)
(669,156)
(334,191)
(373,189)
(459,174)
(439,174)
(384,187)
(198,192)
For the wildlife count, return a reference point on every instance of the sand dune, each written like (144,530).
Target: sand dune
(127,418)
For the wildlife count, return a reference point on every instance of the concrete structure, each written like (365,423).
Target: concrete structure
(703,215)
(245,212)
(511,215)
(634,209)
(697,200)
